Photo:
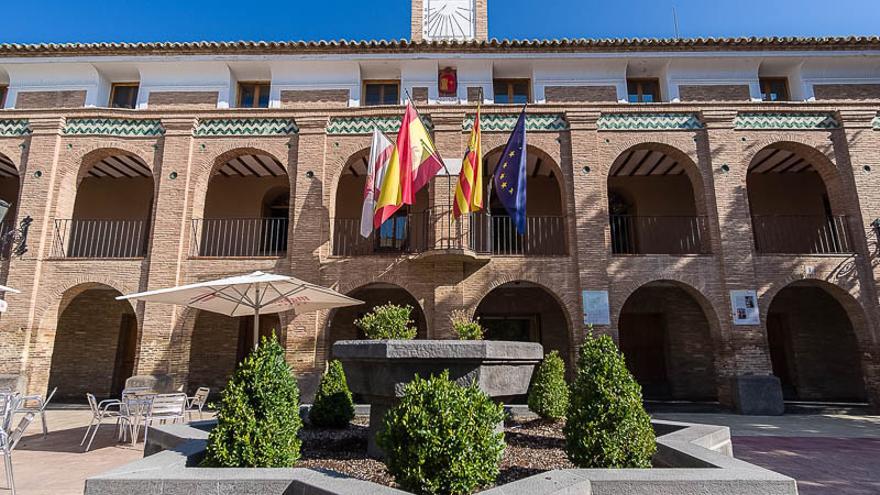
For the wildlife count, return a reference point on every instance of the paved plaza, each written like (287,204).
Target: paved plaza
(826,454)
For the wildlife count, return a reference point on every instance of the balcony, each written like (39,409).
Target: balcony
(433,233)
(801,234)
(671,235)
(74,238)
(239,237)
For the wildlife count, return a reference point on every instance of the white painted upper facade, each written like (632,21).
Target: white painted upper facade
(221,73)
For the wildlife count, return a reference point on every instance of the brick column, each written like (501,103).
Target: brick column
(167,252)
(859,147)
(743,363)
(24,336)
(587,214)
(309,234)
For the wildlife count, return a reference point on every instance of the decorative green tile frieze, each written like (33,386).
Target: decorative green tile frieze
(14,127)
(649,122)
(506,122)
(786,121)
(365,125)
(114,127)
(246,127)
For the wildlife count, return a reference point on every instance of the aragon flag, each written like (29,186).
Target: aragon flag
(413,164)
(469,191)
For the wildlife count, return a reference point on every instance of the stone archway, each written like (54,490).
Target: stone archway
(654,202)
(666,338)
(813,345)
(220,342)
(341,322)
(795,201)
(95,344)
(528,312)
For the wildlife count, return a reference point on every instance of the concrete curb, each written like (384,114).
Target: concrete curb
(692,458)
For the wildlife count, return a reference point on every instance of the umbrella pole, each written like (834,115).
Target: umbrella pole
(257,319)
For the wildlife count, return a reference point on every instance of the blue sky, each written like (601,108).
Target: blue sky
(179,20)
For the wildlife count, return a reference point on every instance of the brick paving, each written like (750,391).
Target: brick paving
(841,466)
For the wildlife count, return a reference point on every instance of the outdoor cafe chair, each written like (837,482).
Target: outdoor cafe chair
(36,405)
(137,401)
(165,408)
(8,404)
(197,402)
(8,441)
(106,409)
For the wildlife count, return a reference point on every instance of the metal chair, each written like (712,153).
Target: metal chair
(36,405)
(105,410)
(164,408)
(138,402)
(8,441)
(197,402)
(8,404)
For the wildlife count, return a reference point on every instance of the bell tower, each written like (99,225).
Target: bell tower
(452,20)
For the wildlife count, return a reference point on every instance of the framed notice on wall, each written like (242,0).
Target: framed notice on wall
(596,310)
(745,307)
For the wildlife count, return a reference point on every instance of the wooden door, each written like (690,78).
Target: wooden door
(643,342)
(126,347)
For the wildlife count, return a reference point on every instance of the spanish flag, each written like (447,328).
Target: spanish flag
(469,192)
(414,162)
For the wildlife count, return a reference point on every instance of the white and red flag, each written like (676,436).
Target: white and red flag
(380,156)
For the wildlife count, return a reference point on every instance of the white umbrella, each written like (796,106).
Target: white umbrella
(3,288)
(253,294)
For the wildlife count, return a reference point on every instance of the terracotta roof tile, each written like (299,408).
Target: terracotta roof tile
(525,45)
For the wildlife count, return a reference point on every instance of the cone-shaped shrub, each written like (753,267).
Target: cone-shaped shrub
(258,418)
(607,424)
(333,407)
(388,322)
(548,395)
(441,438)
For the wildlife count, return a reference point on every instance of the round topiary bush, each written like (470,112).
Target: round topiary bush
(333,407)
(607,425)
(441,438)
(465,327)
(548,395)
(388,322)
(258,418)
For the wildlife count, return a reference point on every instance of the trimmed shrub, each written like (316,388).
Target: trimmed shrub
(548,395)
(258,416)
(464,327)
(388,322)
(441,438)
(607,424)
(333,407)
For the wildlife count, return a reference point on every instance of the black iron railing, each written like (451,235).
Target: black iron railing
(674,235)
(802,234)
(100,238)
(239,237)
(435,229)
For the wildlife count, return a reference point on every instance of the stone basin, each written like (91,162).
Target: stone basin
(378,370)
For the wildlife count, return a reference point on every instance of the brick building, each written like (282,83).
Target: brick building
(663,176)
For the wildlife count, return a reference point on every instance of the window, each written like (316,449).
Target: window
(253,95)
(512,91)
(774,89)
(381,93)
(643,90)
(123,95)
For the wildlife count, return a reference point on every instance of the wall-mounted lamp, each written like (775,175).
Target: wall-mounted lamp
(172,175)
(867,168)
(38,174)
(725,168)
(587,169)
(310,175)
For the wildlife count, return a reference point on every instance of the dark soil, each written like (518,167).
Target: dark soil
(533,447)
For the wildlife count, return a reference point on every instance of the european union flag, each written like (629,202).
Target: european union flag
(510,175)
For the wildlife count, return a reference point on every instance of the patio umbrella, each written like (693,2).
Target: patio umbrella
(254,294)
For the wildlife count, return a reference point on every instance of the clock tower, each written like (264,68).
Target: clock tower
(456,20)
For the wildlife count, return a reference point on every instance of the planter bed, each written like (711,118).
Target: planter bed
(695,458)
